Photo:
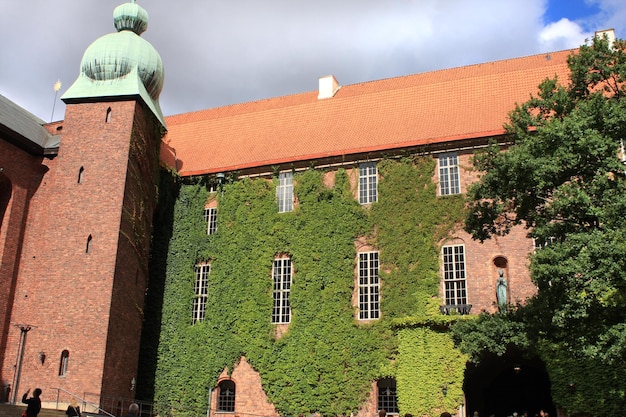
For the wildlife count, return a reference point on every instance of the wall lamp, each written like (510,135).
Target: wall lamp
(42,357)
(444,389)
(221,180)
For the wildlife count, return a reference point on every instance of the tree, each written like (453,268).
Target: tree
(564,180)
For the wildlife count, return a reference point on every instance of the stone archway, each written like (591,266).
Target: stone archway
(507,384)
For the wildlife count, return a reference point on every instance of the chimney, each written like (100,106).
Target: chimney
(328,87)
(610,35)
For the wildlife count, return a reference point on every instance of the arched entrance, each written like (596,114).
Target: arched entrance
(507,384)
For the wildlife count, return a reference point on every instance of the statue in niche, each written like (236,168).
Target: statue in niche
(501,287)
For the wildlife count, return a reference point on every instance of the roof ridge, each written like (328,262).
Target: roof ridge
(302,98)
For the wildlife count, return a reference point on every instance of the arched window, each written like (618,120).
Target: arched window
(107,119)
(387,399)
(81,175)
(226,396)
(65,357)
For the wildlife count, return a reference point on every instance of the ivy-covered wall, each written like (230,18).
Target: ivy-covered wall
(327,360)
(430,370)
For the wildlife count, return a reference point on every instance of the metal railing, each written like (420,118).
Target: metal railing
(65,397)
(462,309)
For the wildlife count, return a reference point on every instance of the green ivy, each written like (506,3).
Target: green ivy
(576,381)
(326,360)
(430,371)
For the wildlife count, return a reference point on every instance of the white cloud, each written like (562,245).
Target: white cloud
(563,34)
(218,53)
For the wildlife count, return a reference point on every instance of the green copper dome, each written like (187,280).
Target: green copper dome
(115,55)
(130,16)
(121,64)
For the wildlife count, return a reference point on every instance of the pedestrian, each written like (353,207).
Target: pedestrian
(33,404)
(382,413)
(446,414)
(133,410)
(73,410)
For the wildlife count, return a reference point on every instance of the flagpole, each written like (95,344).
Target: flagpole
(57,87)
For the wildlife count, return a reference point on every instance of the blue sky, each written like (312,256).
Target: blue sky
(570,9)
(228,51)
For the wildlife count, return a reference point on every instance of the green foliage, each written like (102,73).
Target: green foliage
(326,360)
(582,293)
(410,223)
(487,333)
(583,385)
(563,174)
(428,363)
(563,179)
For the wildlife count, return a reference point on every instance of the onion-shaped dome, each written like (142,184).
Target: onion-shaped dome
(121,65)
(115,55)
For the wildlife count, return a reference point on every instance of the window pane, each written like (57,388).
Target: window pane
(368,183)
(454,274)
(201,291)
(210,216)
(387,399)
(226,397)
(281,273)
(65,357)
(369,286)
(449,180)
(284,192)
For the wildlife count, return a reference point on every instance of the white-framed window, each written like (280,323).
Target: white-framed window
(284,192)
(454,275)
(210,217)
(369,286)
(368,183)
(281,274)
(201,292)
(449,182)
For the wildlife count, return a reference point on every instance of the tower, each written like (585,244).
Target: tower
(83,271)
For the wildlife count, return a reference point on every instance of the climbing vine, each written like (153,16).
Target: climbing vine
(326,360)
(430,370)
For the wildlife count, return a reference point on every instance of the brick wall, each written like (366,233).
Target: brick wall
(250,398)
(87,301)
(20,176)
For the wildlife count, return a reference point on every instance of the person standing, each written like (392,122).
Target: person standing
(73,410)
(33,403)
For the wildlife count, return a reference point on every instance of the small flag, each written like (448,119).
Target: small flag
(57,85)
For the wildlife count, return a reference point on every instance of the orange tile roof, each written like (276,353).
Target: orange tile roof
(434,107)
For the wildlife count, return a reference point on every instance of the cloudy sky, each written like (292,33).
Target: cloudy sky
(221,52)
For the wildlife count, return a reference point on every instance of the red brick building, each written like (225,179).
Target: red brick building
(76,211)
(77,198)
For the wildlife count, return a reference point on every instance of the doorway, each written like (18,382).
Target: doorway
(500,386)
